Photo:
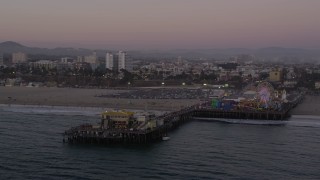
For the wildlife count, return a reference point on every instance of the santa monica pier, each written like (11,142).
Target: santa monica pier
(258,103)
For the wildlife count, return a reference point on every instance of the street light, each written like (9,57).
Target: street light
(162,84)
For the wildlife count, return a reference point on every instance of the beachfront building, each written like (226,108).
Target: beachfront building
(19,57)
(47,64)
(116,119)
(275,75)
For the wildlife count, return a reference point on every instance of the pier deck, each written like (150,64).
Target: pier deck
(86,133)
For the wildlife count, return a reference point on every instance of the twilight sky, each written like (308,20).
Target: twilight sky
(163,24)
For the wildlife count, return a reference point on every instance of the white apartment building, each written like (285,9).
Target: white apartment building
(109,61)
(47,64)
(19,57)
(118,61)
(121,60)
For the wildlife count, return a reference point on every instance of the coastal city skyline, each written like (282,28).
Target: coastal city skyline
(150,89)
(176,24)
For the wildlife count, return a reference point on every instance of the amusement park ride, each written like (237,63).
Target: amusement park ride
(265,97)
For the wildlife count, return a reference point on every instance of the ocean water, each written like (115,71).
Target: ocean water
(31,148)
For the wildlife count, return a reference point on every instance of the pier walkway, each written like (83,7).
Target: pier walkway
(86,133)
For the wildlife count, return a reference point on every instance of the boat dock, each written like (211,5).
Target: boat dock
(87,133)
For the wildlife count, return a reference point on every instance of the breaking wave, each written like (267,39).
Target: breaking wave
(59,110)
(243,121)
(295,120)
(304,121)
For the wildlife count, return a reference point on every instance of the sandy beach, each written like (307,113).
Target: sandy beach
(309,106)
(87,98)
(84,98)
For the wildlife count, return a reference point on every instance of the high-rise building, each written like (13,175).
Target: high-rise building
(118,61)
(109,61)
(92,60)
(19,57)
(121,60)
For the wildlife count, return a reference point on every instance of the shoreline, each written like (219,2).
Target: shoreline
(86,98)
(65,110)
(309,106)
(70,97)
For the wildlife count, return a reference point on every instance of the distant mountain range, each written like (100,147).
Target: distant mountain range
(11,47)
(262,53)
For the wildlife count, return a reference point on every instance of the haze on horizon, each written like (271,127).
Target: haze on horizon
(161,24)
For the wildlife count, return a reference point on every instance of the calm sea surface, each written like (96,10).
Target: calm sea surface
(31,148)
